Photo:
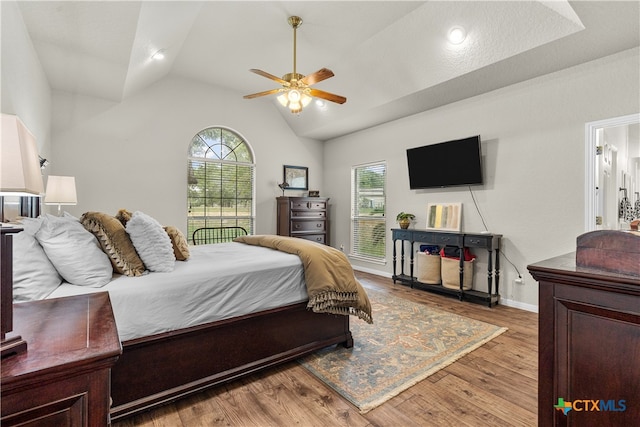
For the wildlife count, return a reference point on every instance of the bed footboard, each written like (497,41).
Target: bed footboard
(159,369)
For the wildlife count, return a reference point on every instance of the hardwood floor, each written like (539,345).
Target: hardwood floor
(495,385)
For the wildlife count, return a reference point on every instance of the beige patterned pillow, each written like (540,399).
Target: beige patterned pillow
(179,242)
(123,216)
(115,242)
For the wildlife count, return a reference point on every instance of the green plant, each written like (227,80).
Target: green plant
(404,215)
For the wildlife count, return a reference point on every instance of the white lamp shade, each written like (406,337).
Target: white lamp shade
(61,190)
(19,163)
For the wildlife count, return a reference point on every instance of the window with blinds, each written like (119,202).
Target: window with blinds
(221,189)
(368,223)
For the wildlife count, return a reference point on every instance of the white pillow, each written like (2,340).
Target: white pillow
(34,277)
(151,242)
(74,251)
(31,225)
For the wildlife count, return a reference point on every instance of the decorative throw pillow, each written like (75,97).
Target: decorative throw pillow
(34,277)
(115,242)
(74,252)
(179,243)
(151,242)
(123,216)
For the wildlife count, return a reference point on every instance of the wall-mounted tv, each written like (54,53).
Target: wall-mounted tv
(446,164)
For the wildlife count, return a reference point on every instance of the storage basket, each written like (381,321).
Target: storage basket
(451,273)
(428,268)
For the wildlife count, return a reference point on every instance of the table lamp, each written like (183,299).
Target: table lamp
(19,176)
(61,190)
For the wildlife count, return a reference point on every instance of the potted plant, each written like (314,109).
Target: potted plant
(404,219)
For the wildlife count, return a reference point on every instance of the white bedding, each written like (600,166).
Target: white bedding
(217,282)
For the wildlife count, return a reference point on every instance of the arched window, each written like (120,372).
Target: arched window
(220,181)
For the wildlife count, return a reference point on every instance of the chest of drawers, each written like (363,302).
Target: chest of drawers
(304,217)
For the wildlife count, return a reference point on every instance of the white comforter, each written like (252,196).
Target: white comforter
(217,282)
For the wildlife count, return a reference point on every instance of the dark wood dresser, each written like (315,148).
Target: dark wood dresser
(304,217)
(63,379)
(589,337)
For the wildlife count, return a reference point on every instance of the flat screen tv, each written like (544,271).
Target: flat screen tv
(446,164)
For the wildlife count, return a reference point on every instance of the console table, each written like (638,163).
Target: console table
(488,241)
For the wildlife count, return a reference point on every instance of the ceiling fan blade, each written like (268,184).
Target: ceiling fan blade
(269,76)
(266,92)
(328,96)
(318,76)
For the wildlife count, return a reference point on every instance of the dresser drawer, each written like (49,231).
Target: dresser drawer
(297,226)
(308,205)
(319,238)
(308,214)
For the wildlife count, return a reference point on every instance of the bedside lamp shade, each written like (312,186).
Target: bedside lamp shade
(61,190)
(19,163)
(19,176)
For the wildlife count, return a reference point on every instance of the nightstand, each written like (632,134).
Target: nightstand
(63,379)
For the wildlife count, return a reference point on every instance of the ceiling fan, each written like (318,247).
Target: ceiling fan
(296,91)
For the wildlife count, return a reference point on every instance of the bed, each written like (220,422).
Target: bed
(173,350)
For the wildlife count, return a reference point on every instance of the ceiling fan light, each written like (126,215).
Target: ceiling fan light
(305,99)
(294,95)
(283,100)
(295,107)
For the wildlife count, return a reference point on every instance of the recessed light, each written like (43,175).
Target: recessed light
(159,55)
(457,35)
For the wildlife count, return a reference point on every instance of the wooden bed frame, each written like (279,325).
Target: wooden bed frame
(159,369)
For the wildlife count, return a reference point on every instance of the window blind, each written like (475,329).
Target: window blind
(368,209)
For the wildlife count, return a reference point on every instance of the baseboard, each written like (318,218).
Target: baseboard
(503,301)
(371,271)
(520,305)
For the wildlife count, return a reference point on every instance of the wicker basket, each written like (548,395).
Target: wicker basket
(451,273)
(428,268)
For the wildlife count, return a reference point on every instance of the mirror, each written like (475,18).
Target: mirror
(612,187)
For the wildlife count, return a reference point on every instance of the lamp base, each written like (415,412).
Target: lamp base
(12,345)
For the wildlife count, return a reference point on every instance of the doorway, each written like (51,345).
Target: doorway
(612,171)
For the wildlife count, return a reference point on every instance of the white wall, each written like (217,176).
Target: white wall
(533,152)
(133,154)
(25,89)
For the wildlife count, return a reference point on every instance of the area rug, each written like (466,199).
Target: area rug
(406,343)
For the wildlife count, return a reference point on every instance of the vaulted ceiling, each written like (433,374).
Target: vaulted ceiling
(390,58)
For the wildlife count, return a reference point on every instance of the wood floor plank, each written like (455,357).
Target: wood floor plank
(507,411)
(200,411)
(320,398)
(495,384)
(504,383)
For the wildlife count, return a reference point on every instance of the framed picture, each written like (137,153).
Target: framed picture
(297,177)
(444,216)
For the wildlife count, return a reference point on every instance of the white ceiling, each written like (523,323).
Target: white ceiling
(390,58)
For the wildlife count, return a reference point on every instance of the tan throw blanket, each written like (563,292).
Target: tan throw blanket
(331,284)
